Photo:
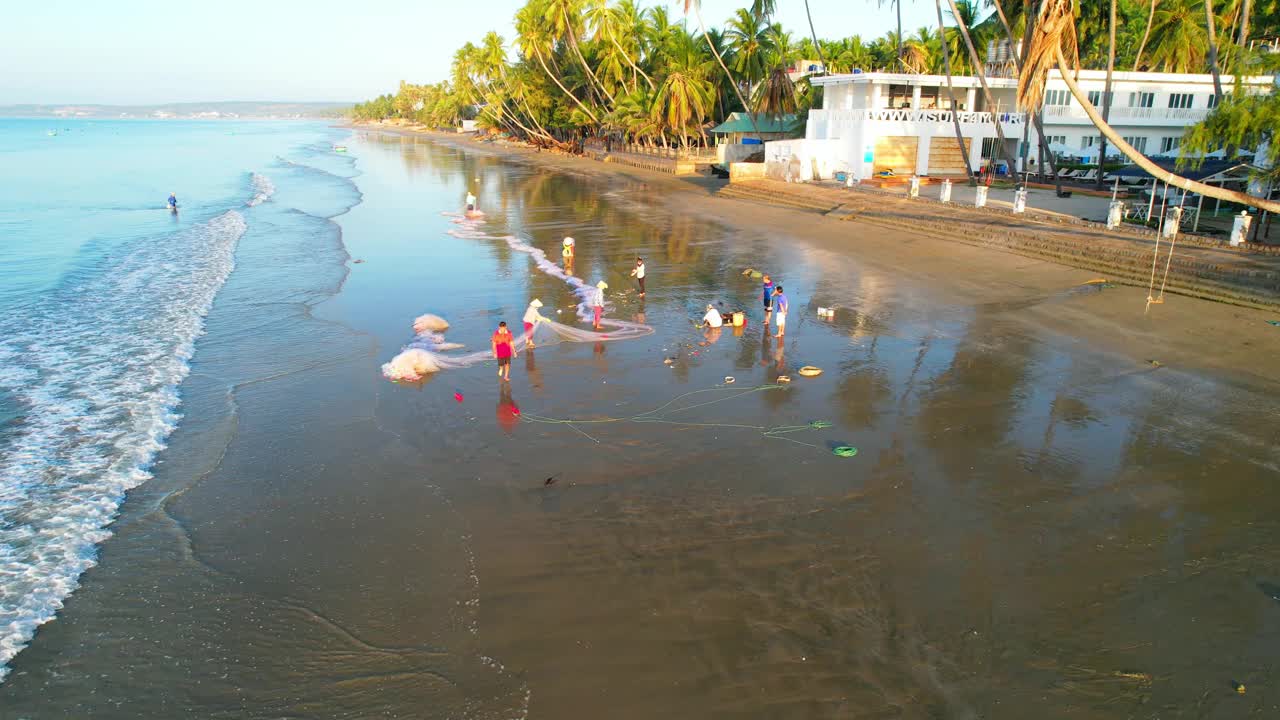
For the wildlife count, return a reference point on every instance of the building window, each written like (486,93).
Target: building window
(1088,141)
(1142,99)
(1138,143)
(1060,139)
(1096,98)
(1169,144)
(1057,97)
(1213,101)
(989,146)
(1180,101)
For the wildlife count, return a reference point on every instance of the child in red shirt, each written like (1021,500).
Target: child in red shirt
(504,349)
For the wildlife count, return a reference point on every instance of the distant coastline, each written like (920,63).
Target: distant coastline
(241,110)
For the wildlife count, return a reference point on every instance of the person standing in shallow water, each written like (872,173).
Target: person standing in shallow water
(781,305)
(768,299)
(504,349)
(638,274)
(597,303)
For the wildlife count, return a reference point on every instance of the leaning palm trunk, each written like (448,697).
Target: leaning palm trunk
(1045,152)
(1146,35)
(814,34)
(951,91)
(982,78)
(1213,49)
(573,43)
(633,64)
(1142,161)
(556,80)
(1106,97)
(697,12)
(1245,8)
(1055,41)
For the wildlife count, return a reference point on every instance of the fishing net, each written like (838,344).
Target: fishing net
(428,352)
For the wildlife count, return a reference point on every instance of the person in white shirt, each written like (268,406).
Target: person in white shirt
(713,318)
(638,274)
(532,317)
(471,202)
(597,302)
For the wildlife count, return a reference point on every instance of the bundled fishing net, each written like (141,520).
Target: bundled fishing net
(429,353)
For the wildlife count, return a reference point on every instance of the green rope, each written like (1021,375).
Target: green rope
(654,417)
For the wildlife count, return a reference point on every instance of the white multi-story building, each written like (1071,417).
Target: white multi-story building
(870,122)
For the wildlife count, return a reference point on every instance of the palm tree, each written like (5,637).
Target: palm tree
(685,96)
(565,19)
(751,42)
(610,22)
(986,89)
(776,96)
(533,39)
(1213,49)
(697,12)
(1146,34)
(1178,38)
(1106,96)
(1017,48)
(898,54)
(1054,45)
(817,46)
(951,95)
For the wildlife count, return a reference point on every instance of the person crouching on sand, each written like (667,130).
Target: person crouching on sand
(531,318)
(638,274)
(597,302)
(503,349)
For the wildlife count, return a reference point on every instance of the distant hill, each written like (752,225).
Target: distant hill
(185,111)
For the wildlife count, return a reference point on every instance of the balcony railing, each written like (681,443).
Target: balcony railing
(1128,114)
(915,116)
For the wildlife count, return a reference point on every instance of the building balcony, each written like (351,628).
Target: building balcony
(1156,117)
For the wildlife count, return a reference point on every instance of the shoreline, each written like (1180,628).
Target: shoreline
(1175,333)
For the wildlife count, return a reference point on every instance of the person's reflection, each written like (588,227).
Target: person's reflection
(779,357)
(508,412)
(531,370)
(713,335)
(765,353)
(602,363)
(568,265)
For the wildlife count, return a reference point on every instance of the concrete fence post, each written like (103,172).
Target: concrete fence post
(944,194)
(980,197)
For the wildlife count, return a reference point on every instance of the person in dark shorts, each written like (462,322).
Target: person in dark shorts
(768,299)
(504,348)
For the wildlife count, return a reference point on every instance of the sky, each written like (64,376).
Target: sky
(153,51)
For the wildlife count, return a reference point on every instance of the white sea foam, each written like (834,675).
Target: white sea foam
(95,370)
(263,189)
(425,354)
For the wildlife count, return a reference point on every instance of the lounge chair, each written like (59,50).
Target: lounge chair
(1089,176)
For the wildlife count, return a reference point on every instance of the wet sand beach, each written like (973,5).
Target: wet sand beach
(1060,506)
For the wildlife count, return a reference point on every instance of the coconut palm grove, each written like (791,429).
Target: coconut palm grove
(581,68)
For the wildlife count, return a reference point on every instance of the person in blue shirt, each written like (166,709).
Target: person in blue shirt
(173,202)
(780,307)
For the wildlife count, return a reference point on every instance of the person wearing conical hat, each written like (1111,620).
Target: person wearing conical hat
(532,317)
(597,302)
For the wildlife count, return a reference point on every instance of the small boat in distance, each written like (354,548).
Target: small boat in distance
(340,148)
(51,133)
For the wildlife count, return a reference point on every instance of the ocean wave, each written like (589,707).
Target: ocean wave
(95,370)
(263,189)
